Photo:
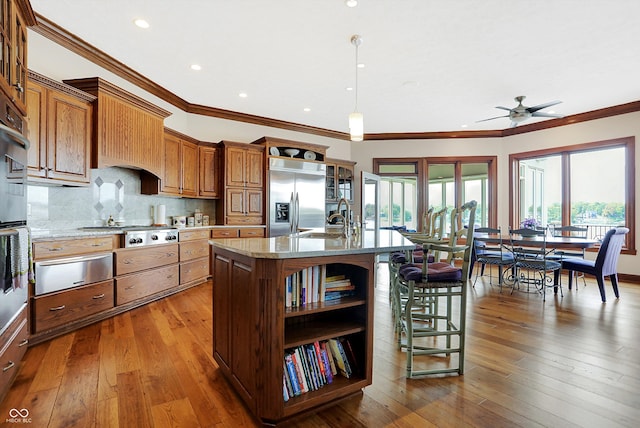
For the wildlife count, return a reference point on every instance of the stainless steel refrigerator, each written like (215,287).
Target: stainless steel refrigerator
(296,195)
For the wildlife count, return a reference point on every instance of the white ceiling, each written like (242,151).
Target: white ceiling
(430,65)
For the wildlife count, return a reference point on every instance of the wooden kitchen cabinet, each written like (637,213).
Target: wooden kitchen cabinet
(145,271)
(56,309)
(194,255)
(15,17)
(180,170)
(142,284)
(13,345)
(243,202)
(238,232)
(253,330)
(127,130)
(59,130)
(209,185)
(74,247)
(340,180)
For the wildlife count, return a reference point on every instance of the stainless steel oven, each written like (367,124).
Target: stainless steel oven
(14,235)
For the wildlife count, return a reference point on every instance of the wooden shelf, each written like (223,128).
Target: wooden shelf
(330,305)
(320,331)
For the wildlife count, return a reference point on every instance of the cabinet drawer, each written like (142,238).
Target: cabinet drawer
(71,247)
(252,232)
(130,260)
(62,307)
(227,232)
(193,270)
(12,353)
(194,250)
(192,235)
(241,220)
(139,285)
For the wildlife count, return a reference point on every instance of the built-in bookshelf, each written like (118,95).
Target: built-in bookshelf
(258,329)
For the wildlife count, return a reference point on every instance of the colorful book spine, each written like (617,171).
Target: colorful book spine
(293,374)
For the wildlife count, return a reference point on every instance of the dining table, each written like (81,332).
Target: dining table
(550,243)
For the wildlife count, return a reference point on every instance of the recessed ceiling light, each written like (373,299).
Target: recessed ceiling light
(351,3)
(196,67)
(307,109)
(464,126)
(360,65)
(141,23)
(242,95)
(349,88)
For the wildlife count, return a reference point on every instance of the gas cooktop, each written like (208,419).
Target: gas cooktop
(140,236)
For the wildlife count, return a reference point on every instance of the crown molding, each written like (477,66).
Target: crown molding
(59,35)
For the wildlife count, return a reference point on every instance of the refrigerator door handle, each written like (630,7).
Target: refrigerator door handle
(297,213)
(291,214)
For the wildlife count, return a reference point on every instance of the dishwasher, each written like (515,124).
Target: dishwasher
(69,272)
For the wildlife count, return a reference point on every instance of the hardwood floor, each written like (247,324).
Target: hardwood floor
(570,362)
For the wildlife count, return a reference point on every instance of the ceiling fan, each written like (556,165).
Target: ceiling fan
(521,113)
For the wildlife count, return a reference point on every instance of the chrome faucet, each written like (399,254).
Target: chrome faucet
(346,219)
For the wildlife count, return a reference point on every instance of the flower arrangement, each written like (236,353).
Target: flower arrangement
(529,223)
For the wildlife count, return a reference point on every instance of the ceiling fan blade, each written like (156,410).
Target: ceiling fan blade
(514,124)
(542,114)
(491,118)
(503,108)
(541,106)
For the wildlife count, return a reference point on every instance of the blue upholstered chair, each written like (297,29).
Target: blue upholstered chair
(605,264)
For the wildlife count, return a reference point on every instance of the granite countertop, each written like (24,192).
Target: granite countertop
(305,245)
(53,234)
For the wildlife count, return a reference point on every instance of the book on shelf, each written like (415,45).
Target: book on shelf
(311,285)
(340,358)
(310,367)
(302,379)
(332,365)
(351,356)
(292,374)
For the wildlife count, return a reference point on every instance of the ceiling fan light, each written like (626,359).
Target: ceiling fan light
(356,126)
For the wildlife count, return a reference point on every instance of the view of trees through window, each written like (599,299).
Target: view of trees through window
(596,195)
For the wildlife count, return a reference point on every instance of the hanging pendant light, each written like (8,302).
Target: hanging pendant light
(356,120)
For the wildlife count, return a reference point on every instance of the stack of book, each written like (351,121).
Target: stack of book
(338,286)
(310,367)
(312,285)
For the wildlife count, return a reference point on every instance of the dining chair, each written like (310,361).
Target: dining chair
(436,329)
(581,231)
(531,261)
(492,254)
(605,264)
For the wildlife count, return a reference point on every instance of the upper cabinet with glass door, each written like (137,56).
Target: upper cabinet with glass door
(340,180)
(15,16)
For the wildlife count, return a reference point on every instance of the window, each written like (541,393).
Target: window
(449,182)
(589,184)
(398,205)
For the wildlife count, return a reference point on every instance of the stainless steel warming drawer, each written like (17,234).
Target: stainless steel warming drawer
(64,273)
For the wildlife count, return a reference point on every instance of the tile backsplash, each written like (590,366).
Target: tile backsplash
(113,191)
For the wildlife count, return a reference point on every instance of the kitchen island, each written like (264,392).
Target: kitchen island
(256,322)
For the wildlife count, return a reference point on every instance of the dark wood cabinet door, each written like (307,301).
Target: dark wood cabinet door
(235,159)
(255,168)
(170,182)
(209,185)
(68,138)
(189,169)
(36,128)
